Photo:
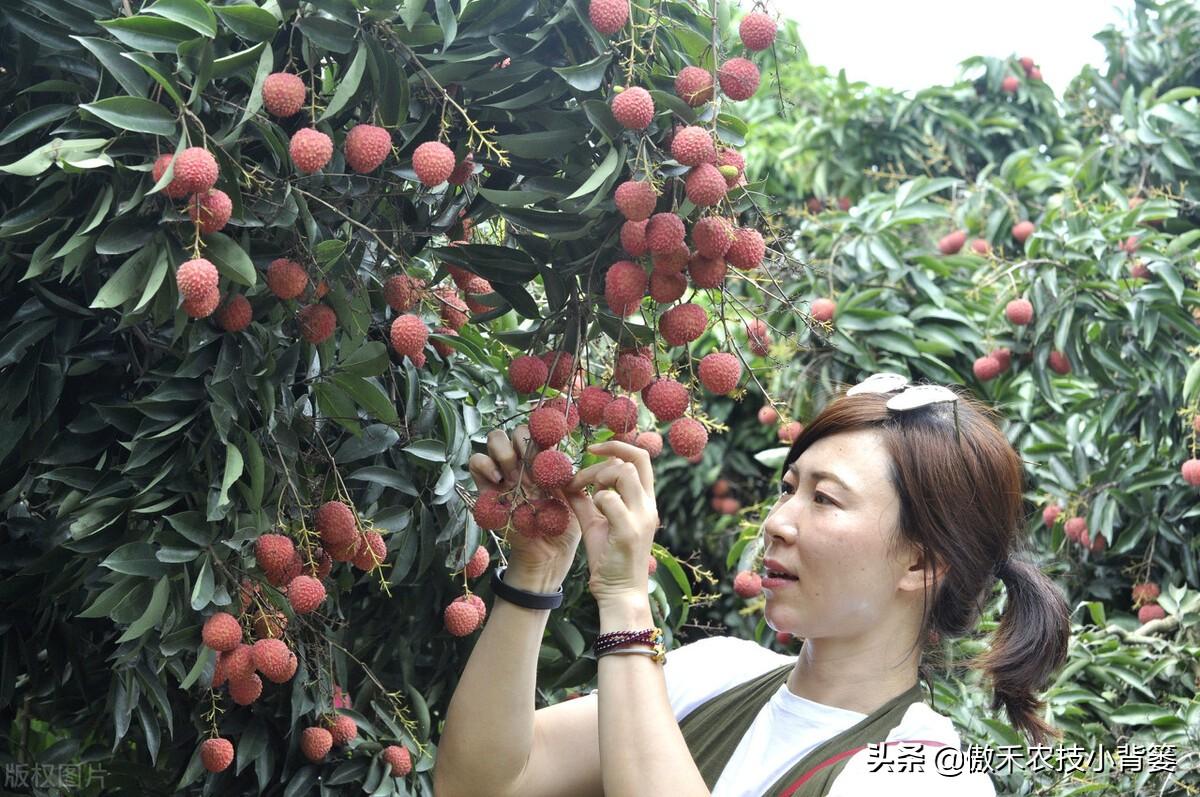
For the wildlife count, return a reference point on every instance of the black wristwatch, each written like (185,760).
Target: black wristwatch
(528,600)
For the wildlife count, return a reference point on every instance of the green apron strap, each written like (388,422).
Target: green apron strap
(813,775)
(714,729)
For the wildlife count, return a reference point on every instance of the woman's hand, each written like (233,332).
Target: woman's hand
(500,469)
(617,525)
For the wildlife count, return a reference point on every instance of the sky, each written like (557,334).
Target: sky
(911,44)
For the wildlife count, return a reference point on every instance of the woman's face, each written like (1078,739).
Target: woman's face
(833,528)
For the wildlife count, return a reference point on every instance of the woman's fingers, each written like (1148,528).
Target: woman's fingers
(484,471)
(501,451)
(613,473)
(639,457)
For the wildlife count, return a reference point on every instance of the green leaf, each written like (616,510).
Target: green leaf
(328,251)
(202,592)
(327,34)
(249,22)
(369,396)
(429,450)
(127,279)
(132,79)
(153,614)
(370,359)
(207,654)
(133,113)
(233,471)
(33,120)
(230,259)
(337,406)
(1191,383)
(375,439)
(447,20)
(195,14)
(347,85)
(135,559)
(613,161)
(236,62)
(152,34)
(156,70)
(586,76)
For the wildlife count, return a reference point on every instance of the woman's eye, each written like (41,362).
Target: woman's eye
(786,488)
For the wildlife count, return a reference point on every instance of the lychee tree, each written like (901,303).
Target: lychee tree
(271,273)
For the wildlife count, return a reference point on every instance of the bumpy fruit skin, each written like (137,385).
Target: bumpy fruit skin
(1019,311)
(1075,528)
(527,374)
(478,563)
(239,662)
(592,401)
(688,437)
(675,260)
(408,335)
(477,286)
(552,469)
(547,426)
(212,209)
(196,278)
(451,307)
(492,510)
(665,233)
(667,399)
(747,584)
(747,249)
(768,415)
(222,632)
(652,443)
(559,365)
(336,523)
(823,309)
(1003,356)
(371,552)
(433,162)
(758,337)
(633,108)
(286,278)
(1022,230)
(399,759)
(633,371)
(310,150)
(757,31)
(316,743)
(1190,471)
(712,236)
(719,372)
(271,658)
(790,431)
(739,79)
(1050,515)
(305,594)
(551,517)
(283,94)
(707,272)
(245,691)
(173,189)
(729,157)
(570,411)
(202,306)
(343,730)
(986,368)
(274,552)
(462,172)
(952,243)
(608,16)
(694,85)
(682,324)
(1146,592)
(1010,84)
(620,415)
(366,147)
(460,618)
(625,285)
(196,170)
(693,145)
(704,185)
(635,199)
(667,286)
(633,238)
(317,322)
(1151,611)
(402,292)
(216,754)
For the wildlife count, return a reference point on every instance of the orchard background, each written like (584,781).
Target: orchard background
(146,449)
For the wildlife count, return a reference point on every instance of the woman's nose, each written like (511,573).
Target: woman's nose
(778,525)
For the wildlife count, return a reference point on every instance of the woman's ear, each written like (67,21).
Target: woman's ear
(924,572)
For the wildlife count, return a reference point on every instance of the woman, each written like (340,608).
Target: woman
(899,508)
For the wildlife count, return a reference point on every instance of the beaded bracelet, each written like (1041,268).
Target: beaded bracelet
(614,639)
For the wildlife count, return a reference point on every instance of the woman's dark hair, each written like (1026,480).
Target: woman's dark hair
(961,504)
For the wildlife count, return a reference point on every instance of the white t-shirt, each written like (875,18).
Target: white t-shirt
(789,726)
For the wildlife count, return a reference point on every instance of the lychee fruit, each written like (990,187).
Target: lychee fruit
(559,366)
(635,199)
(343,729)
(491,510)
(221,632)
(371,551)
(211,209)
(747,249)
(1151,611)
(712,236)
(441,347)
(1190,471)
(758,337)
(625,285)
(551,517)
(462,172)
(1075,528)
(1010,84)
(402,292)
(633,372)
(633,238)
(688,437)
(527,373)
(478,563)
(633,108)
(460,618)
(675,260)
(216,754)
(174,189)
(1059,363)
(477,286)
(286,278)
(823,309)
(986,368)
(569,409)
(196,278)
(719,372)
(788,432)
(693,145)
(608,16)
(1003,356)
(273,552)
(951,243)
(665,233)
(195,170)
(245,691)
(768,415)
(1050,515)
(305,594)
(1019,311)
(239,662)
(980,246)
(283,94)
(592,401)
(433,162)
(682,324)
(757,31)
(310,149)
(651,443)
(747,584)
(1146,592)
(274,659)
(398,758)
(707,272)
(552,469)
(547,426)
(1034,74)
(667,286)
(335,522)
(694,85)
(317,322)
(315,743)
(366,147)
(1022,230)
(704,185)
(739,79)
(620,415)
(1140,271)
(727,159)
(408,335)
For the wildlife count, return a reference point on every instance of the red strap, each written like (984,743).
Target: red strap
(800,781)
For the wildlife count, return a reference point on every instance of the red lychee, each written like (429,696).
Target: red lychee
(727,157)
(1003,356)
(1059,363)
(693,145)
(1151,611)
(433,162)
(592,401)
(694,85)
(527,374)
(665,233)
(986,368)
(747,249)
(221,632)
(1019,311)
(559,366)
(478,562)
(625,286)
(757,31)
(635,199)
(335,522)
(211,209)
(633,108)
(273,552)
(823,309)
(216,754)
(768,415)
(747,584)
(704,185)
(1190,471)
(408,335)
(343,729)
(317,322)
(460,618)
(547,426)
(398,758)
(371,551)
(196,278)
(305,594)
(633,372)
(477,286)
(315,743)
(675,260)
(651,443)
(1075,528)
(1050,515)
(620,415)
(245,691)
(758,337)
(1140,271)
(569,409)
(366,147)
(174,189)
(283,94)
(719,372)
(682,324)
(310,150)
(707,272)
(667,286)
(196,170)
(788,432)
(239,662)
(286,278)
(738,78)
(462,172)
(1022,230)
(274,659)
(633,238)
(712,236)
(552,469)
(492,510)
(402,292)
(1010,84)
(951,243)
(980,246)
(551,517)
(688,437)
(608,16)
(1146,592)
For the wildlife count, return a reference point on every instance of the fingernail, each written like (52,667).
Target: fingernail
(496,476)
